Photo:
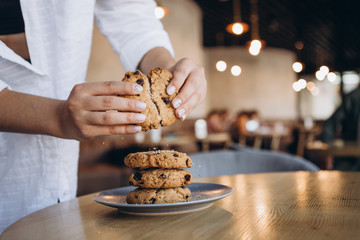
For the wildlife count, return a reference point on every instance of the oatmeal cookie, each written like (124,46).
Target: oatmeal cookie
(159,110)
(152,117)
(156,196)
(160,178)
(159,81)
(158,159)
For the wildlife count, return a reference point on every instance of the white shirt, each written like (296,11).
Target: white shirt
(37,171)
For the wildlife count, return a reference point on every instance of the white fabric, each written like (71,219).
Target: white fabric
(37,170)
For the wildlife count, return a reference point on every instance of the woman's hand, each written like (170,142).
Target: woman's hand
(190,79)
(97,109)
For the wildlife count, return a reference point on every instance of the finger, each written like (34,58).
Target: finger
(114,118)
(187,90)
(192,84)
(128,129)
(103,103)
(113,130)
(189,105)
(109,88)
(181,72)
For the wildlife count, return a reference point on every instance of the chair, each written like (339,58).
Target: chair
(240,159)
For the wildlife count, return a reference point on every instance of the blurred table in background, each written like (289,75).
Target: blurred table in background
(306,135)
(322,151)
(176,141)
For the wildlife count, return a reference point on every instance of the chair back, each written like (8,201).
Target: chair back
(245,160)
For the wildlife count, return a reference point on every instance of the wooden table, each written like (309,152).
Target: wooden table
(324,154)
(297,205)
(345,149)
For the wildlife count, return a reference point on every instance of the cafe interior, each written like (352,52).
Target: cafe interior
(274,145)
(276,71)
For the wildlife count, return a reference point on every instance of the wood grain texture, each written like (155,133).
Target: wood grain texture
(293,205)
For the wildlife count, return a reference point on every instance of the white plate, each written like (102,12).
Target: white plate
(202,196)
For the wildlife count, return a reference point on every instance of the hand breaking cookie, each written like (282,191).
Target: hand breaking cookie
(159,110)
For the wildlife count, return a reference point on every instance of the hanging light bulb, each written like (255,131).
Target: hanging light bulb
(256,43)
(297,67)
(255,46)
(237,27)
(254,51)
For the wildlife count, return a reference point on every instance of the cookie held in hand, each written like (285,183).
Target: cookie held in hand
(159,109)
(152,116)
(159,81)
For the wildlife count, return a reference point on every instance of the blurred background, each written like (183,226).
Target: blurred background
(277,71)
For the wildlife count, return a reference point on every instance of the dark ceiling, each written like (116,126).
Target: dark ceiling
(328,29)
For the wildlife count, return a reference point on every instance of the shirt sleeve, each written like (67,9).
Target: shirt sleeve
(131,28)
(3,85)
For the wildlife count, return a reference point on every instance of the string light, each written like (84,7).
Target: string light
(160,11)
(296,86)
(297,67)
(221,66)
(235,70)
(320,75)
(324,70)
(331,77)
(302,83)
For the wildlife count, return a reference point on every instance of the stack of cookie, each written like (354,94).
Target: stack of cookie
(159,177)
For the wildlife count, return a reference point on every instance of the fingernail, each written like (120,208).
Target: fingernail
(183,117)
(170,90)
(140,117)
(137,128)
(181,112)
(141,105)
(176,103)
(137,87)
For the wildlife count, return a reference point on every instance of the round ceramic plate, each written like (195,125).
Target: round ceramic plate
(203,195)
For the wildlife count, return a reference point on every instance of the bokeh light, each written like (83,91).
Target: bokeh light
(221,65)
(236,70)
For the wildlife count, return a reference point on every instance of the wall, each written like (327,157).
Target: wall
(265,83)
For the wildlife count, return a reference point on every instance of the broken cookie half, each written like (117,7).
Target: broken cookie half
(159,110)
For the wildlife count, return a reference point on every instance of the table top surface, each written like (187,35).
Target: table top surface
(289,205)
(344,149)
